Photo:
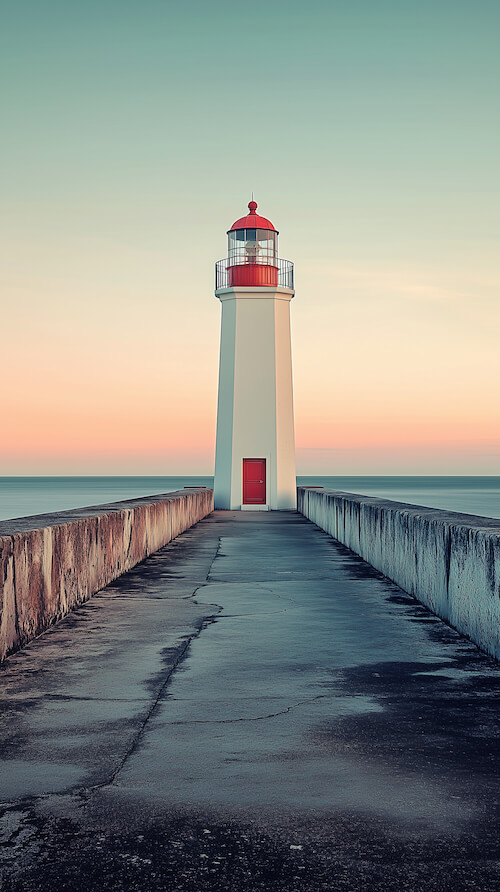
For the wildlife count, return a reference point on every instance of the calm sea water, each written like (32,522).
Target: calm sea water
(22,496)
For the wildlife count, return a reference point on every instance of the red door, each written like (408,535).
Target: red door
(254,481)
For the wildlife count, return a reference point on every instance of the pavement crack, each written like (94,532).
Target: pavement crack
(87,791)
(257,718)
(246,615)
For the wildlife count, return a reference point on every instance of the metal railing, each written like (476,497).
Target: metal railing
(284,270)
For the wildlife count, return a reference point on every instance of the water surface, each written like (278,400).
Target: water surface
(22,496)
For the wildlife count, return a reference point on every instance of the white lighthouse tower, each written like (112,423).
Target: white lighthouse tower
(255,450)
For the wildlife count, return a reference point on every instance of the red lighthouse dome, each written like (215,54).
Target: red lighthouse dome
(252,251)
(253,220)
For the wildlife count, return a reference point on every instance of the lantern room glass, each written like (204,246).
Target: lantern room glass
(252,246)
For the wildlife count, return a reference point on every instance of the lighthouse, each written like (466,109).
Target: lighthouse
(255,447)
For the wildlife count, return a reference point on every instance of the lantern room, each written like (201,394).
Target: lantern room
(252,251)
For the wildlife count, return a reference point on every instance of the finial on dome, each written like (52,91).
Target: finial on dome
(252,206)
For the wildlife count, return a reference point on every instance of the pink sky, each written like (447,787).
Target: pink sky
(392,375)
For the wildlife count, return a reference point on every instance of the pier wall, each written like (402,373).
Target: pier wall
(449,561)
(51,563)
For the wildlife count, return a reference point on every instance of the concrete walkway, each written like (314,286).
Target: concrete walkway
(252,708)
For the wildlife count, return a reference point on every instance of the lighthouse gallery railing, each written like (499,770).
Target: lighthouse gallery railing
(284,267)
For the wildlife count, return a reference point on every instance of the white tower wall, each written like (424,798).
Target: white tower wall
(255,407)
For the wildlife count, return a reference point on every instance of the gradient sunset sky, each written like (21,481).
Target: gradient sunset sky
(133,134)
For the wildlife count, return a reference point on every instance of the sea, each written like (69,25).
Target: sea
(24,496)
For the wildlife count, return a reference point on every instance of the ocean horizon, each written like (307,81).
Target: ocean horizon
(26,496)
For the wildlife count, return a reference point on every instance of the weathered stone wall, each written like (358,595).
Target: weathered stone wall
(51,563)
(449,561)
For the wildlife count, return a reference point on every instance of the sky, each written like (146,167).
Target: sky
(133,136)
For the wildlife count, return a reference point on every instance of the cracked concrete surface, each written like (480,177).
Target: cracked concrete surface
(252,707)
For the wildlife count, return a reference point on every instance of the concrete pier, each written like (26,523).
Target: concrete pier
(253,707)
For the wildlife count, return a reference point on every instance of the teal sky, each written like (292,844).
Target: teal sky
(133,134)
